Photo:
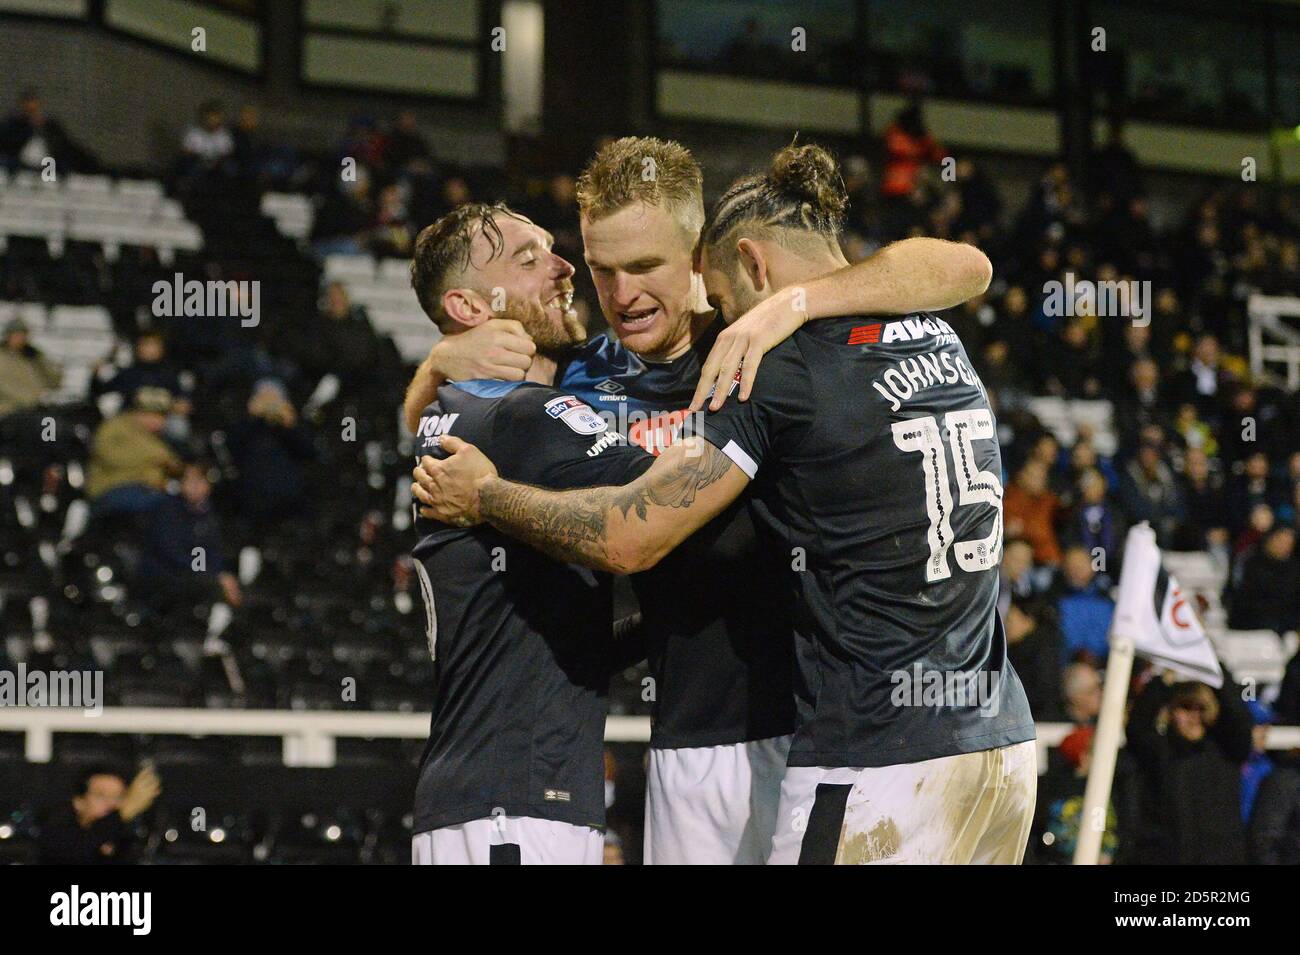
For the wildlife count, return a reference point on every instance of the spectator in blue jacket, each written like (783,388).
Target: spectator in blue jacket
(1083,609)
(1095,524)
(1259,765)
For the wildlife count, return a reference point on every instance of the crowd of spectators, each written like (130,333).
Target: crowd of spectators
(1204,453)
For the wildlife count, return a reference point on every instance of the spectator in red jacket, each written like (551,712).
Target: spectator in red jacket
(1031,510)
(908,147)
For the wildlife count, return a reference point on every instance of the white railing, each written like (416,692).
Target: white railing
(1273,340)
(309,737)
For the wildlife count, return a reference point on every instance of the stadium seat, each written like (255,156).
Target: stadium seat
(1064,419)
(349,268)
(1257,655)
(145,193)
(96,185)
(292,213)
(91,320)
(395,270)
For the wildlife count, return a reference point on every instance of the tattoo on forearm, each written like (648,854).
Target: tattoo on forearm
(574,525)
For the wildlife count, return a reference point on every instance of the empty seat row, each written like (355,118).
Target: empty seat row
(74,319)
(292,213)
(95,209)
(367,267)
(1254,655)
(1066,418)
(81,185)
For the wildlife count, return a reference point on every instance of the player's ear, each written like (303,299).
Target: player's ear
(753,263)
(465,307)
(699,294)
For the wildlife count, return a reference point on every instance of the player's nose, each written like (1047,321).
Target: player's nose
(561,268)
(624,291)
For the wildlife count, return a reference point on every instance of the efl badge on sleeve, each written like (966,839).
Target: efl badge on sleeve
(578,416)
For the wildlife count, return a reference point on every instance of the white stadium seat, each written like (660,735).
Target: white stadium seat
(85,319)
(398,270)
(93,209)
(347,268)
(1196,570)
(413,346)
(140,189)
(33,313)
(1064,418)
(100,185)
(1257,655)
(76,382)
(293,213)
(29,179)
(32,220)
(390,321)
(386,299)
(70,347)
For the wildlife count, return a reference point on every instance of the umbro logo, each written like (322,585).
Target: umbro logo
(609,386)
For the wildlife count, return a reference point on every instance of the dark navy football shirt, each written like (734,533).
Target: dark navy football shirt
(882,463)
(716,612)
(521,643)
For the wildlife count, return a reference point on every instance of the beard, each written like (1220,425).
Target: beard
(551,338)
(745,298)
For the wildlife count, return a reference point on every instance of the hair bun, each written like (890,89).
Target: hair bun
(810,174)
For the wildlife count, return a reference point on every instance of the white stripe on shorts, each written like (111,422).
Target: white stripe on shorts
(509,840)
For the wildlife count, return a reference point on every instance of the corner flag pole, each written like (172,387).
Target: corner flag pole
(1110,722)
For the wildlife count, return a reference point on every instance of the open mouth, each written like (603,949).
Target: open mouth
(562,301)
(638,320)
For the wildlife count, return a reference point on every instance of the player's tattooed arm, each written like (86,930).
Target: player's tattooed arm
(911,275)
(620,529)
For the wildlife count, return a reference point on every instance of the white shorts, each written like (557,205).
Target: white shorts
(509,840)
(713,805)
(972,808)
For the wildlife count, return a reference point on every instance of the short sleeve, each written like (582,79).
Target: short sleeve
(557,441)
(779,406)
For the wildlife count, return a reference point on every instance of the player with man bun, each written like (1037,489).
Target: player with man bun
(873,452)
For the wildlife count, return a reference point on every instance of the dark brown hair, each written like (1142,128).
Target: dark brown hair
(801,191)
(442,251)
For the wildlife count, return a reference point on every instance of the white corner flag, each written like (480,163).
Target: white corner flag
(1153,611)
(1154,619)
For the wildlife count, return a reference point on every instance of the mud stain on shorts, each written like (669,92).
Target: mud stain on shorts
(879,842)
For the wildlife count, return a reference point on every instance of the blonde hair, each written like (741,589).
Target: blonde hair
(658,172)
